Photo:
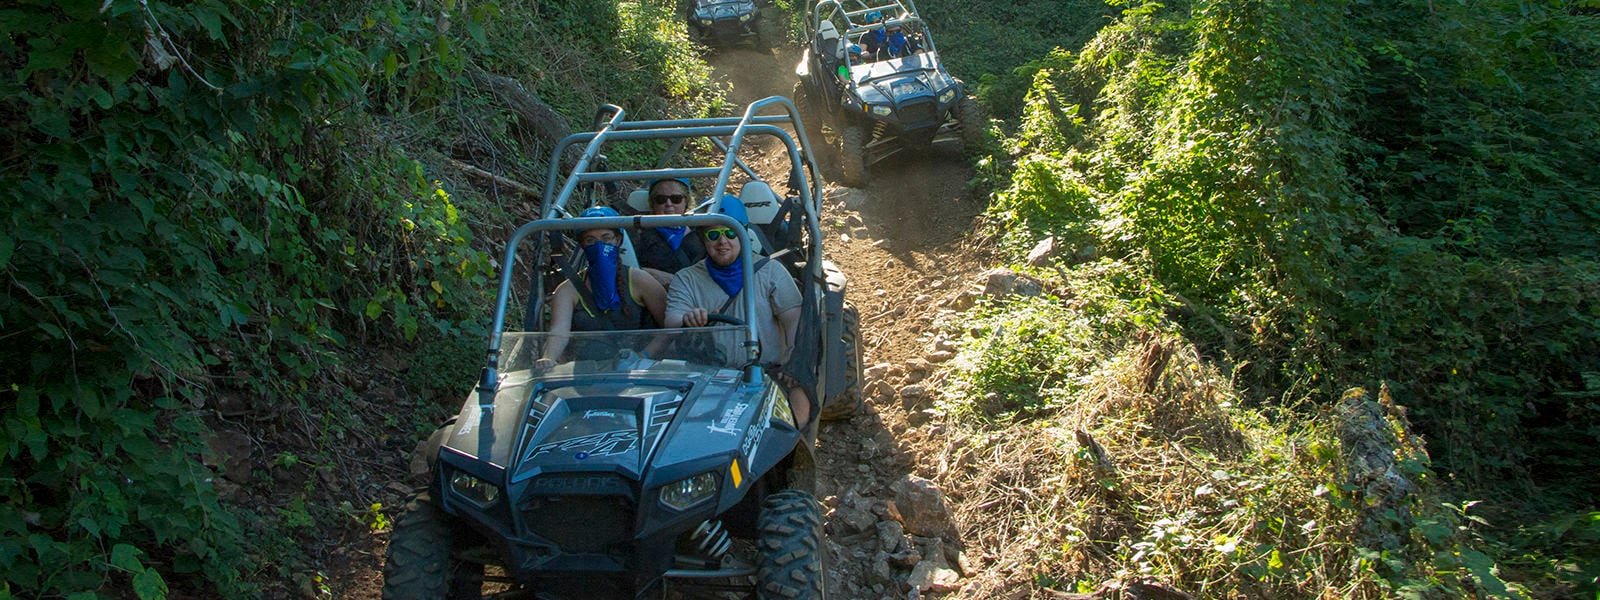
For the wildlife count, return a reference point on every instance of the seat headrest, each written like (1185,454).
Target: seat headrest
(639,200)
(760,203)
(827,30)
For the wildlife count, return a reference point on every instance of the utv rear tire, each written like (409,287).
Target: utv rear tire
(847,402)
(853,155)
(970,117)
(789,530)
(421,563)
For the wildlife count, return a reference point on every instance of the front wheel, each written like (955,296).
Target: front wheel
(422,563)
(853,155)
(789,537)
(970,118)
(810,116)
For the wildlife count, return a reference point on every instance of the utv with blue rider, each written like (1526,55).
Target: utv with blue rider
(630,463)
(874,72)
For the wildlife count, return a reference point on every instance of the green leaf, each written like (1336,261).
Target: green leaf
(148,585)
(374,310)
(112,59)
(126,557)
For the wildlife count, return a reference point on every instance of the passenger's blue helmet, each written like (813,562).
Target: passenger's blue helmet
(733,207)
(874,17)
(598,211)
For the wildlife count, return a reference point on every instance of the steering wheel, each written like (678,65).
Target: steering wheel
(700,348)
(725,319)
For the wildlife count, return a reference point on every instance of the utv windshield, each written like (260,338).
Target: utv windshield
(716,347)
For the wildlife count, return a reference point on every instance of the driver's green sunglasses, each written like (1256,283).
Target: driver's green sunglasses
(713,235)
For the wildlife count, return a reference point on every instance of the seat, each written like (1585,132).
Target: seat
(639,201)
(760,203)
(829,34)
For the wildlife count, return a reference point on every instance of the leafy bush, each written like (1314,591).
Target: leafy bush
(1331,195)
(218,198)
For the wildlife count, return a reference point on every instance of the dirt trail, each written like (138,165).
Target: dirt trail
(902,242)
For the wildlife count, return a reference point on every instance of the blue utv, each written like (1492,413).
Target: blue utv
(640,462)
(872,69)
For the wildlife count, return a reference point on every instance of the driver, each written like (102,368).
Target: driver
(601,305)
(714,285)
(897,45)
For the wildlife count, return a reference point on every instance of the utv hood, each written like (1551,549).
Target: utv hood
(612,423)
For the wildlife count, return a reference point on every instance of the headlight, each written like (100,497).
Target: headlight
(684,494)
(745,18)
(882,111)
(704,22)
(477,491)
(946,96)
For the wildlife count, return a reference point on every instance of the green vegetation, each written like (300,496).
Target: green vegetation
(215,200)
(991,44)
(1316,197)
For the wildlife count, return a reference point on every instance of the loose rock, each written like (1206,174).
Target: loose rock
(922,507)
(928,577)
(1042,252)
(891,536)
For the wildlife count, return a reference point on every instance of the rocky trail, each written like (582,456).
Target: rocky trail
(904,243)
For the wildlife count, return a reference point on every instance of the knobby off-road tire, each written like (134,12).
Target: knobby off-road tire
(970,116)
(846,403)
(789,532)
(810,113)
(853,155)
(421,563)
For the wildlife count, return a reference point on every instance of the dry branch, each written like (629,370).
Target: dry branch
(482,174)
(547,126)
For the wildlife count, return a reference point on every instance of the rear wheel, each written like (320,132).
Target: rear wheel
(422,564)
(846,403)
(790,565)
(853,155)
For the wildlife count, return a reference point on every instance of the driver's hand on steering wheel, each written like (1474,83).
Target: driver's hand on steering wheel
(696,317)
(544,364)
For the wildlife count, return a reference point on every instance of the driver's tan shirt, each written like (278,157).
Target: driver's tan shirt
(693,288)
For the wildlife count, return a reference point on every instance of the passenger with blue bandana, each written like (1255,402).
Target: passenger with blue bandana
(611,297)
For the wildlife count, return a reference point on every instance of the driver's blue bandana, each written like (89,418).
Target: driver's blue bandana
(673,235)
(729,278)
(603,265)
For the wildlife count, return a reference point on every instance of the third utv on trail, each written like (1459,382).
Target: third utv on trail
(873,70)
(641,463)
(726,22)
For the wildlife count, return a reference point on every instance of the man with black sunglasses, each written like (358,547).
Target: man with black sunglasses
(714,285)
(664,251)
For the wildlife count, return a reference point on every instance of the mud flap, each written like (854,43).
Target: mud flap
(833,332)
